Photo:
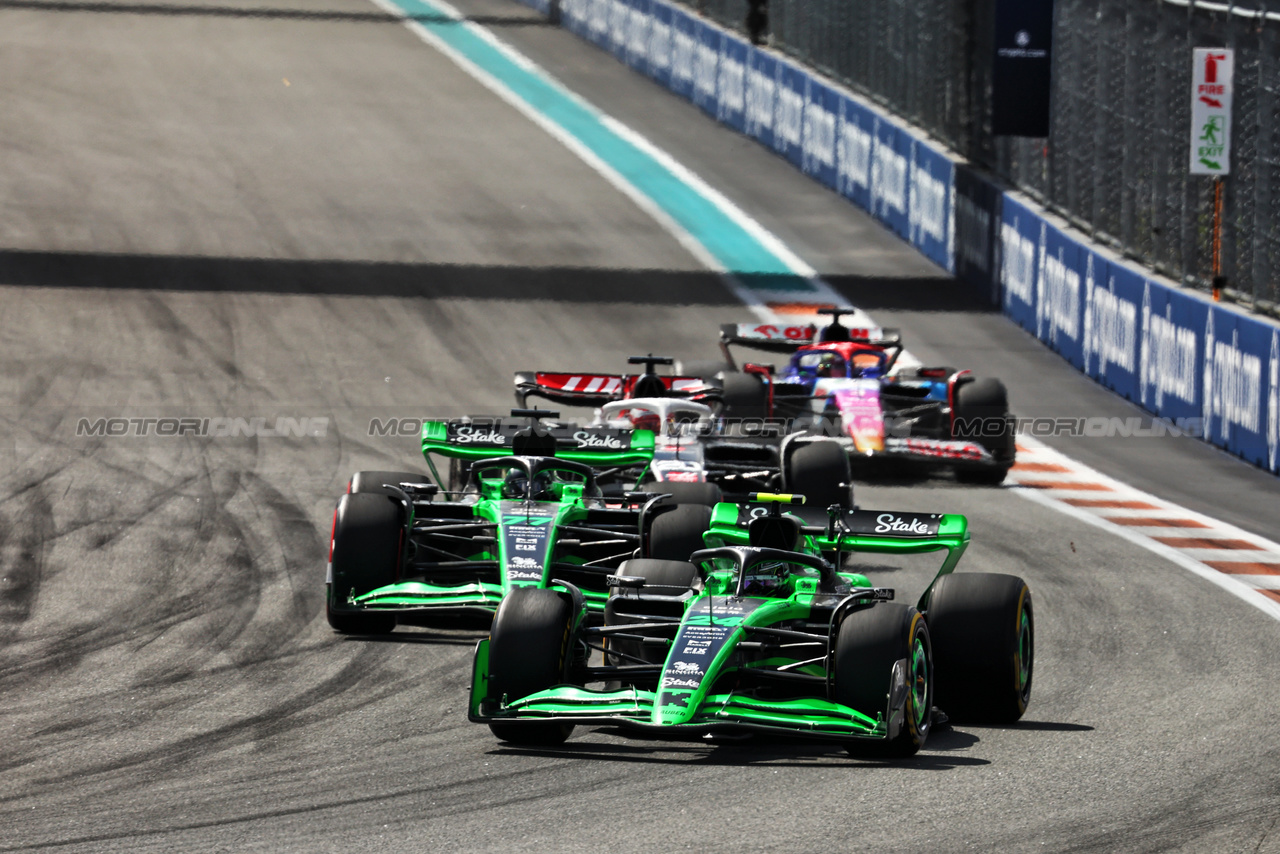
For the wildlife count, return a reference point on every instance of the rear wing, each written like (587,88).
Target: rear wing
(582,389)
(787,339)
(481,438)
(877,531)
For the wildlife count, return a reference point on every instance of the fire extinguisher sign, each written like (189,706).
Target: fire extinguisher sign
(1211,111)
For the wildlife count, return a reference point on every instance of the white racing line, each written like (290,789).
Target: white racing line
(1241,563)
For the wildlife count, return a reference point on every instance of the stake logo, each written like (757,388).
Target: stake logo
(468,435)
(888,522)
(668,682)
(587,440)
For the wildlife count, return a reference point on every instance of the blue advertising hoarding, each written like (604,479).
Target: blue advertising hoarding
(855,144)
(1234,383)
(658,55)
(731,100)
(638,18)
(1110,328)
(762,88)
(929,205)
(821,125)
(1059,285)
(1019,244)
(706,67)
(684,47)
(890,163)
(788,112)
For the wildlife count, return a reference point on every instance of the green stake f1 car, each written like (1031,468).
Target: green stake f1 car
(529,512)
(760,632)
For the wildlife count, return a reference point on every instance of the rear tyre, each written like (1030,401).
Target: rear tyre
(372,481)
(528,651)
(984,627)
(368,543)
(676,534)
(870,641)
(985,402)
(745,396)
(662,577)
(706,494)
(820,472)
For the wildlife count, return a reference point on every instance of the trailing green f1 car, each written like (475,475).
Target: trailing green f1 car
(761,632)
(529,514)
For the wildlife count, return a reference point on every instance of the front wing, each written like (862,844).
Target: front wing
(634,709)
(410,596)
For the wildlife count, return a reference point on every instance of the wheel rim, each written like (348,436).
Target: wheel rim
(1024,654)
(919,677)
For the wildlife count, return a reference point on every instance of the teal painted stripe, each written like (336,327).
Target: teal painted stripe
(724,239)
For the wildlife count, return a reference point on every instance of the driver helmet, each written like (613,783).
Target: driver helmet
(821,363)
(830,365)
(545,487)
(645,419)
(765,579)
(515,484)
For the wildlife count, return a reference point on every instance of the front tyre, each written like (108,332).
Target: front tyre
(368,545)
(870,643)
(984,627)
(528,653)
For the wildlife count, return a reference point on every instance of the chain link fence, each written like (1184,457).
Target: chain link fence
(1116,163)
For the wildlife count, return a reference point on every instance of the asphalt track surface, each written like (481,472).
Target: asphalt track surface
(298,209)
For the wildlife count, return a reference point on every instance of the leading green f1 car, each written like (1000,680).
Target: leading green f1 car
(760,632)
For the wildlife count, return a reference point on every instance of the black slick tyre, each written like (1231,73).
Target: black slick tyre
(820,472)
(676,534)
(983,628)
(661,577)
(368,544)
(870,642)
(745,396)
(982,414)
(528,650)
